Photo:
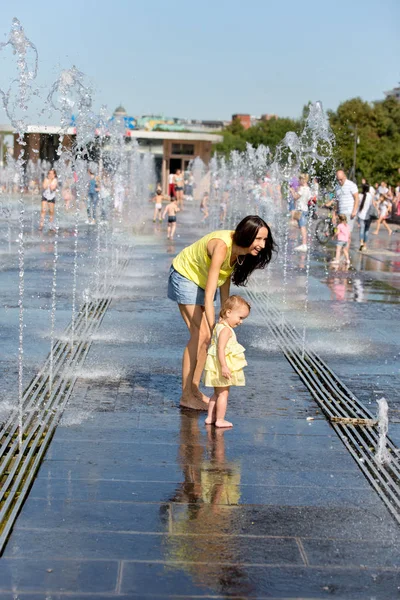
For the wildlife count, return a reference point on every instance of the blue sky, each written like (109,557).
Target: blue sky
(209,59)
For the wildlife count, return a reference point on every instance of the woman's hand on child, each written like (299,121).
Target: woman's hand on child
(225,372)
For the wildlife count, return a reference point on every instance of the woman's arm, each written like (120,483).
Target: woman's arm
(222,341)
(224,290)
(218,250)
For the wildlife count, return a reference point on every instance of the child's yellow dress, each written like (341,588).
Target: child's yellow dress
(235,361)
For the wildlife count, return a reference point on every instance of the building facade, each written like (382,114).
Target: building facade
(172,150)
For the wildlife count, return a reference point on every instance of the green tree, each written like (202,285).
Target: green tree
(376,127)
(269,133)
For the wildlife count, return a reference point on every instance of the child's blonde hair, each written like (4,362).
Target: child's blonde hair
(342,218)
(231,303)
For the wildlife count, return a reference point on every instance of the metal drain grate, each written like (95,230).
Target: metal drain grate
(338,403)
(22,448)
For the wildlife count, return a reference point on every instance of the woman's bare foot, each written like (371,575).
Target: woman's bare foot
(374,233)
(193,403)
(222,423)
(200,396)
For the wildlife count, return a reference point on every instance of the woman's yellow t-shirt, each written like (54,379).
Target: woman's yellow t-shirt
(194,263)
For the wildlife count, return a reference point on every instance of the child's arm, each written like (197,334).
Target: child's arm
(222,341)
(165,212)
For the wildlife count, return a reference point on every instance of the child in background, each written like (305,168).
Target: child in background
(342,234)
(384,208)
(158,198)
(171,209)
(225,359)
(204,206)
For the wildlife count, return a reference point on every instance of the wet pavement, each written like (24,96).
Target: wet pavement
(138,499)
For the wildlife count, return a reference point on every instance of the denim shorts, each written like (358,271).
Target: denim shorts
(341,243)
(303,219)
(184,291)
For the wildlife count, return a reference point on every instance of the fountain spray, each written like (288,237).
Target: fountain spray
(16,108)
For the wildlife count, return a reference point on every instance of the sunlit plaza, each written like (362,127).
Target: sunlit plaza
(112,484)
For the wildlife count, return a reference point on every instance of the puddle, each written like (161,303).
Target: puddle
(353,288)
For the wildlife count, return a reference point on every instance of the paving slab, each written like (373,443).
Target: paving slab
(138,499)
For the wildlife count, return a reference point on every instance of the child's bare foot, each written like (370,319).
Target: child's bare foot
(222,423)
(209,421)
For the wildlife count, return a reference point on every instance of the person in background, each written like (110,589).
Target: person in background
(189,186)
(390,194)
(302,197)
(371,188)
(363,214)
(313,202)
(49,186)
(385,208)
(178,182)
(119,193)
(92,198)
(383,189)
(105,197)
(294,184)
(204,206)
(171,185)
(396,206)
(157,199)
(342,238)
(171,210)
(347,199)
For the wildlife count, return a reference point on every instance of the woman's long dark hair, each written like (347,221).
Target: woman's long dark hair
(244,235)
(365,190)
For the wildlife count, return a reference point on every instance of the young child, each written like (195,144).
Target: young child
(225,359)
(223,207)
(158,198)
(342,234)
(204,206)
(171,209)
(384,207)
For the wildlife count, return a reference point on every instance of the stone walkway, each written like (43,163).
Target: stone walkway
(137,499)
